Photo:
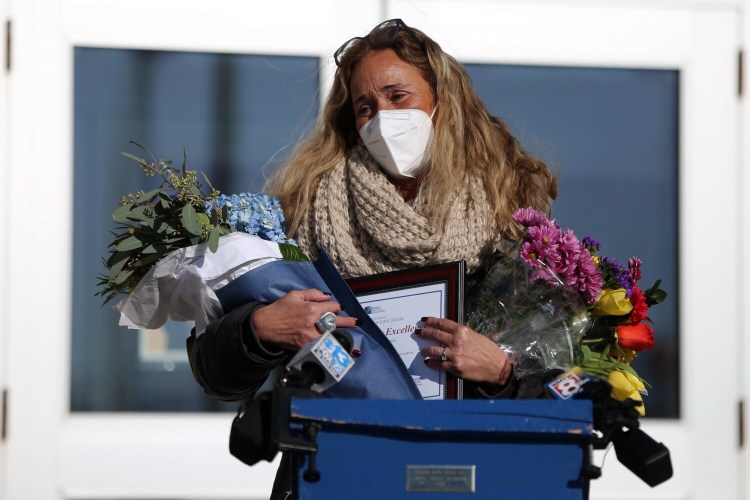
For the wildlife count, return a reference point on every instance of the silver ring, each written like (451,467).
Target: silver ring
(443,356)
(326,323)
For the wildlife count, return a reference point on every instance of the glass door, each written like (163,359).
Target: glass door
(630,104)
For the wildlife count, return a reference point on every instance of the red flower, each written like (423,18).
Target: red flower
(640,307)
(635,337)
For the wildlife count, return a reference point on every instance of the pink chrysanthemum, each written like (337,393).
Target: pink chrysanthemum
(589,277)
(544,241)
(529,217)
(570,249)
(560,251)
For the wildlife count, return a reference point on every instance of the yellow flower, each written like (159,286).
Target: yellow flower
(613,303)
(626,385)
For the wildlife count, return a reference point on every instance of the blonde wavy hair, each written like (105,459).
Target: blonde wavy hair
(467,141)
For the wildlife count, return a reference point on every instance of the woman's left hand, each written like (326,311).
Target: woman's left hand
(468,354)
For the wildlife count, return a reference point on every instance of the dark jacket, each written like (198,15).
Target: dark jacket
(228,361)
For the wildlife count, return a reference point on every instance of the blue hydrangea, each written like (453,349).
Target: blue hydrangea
(255,214)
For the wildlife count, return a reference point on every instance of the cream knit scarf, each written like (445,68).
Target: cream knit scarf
(366,227)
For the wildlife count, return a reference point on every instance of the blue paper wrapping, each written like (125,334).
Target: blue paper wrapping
(378,373)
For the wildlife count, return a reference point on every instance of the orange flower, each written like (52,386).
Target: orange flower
(635,337)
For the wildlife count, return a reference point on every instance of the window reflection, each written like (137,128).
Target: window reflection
(235,117)
(612,137)
(612,134)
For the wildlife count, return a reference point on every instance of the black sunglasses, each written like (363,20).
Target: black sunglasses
(382,35)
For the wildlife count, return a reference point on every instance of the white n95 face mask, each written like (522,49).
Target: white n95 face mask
(398,140)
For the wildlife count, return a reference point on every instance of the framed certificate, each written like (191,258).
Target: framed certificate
(396,302)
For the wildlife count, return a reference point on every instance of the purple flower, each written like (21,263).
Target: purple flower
(591,244)
(623,278)
(614,273)
(610,262)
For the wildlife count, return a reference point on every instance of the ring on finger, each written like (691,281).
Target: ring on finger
(326,323)
(443,355)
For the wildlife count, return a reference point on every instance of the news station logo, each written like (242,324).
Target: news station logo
(334,357)
(568,384)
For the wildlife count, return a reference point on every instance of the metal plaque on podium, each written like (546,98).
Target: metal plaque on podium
(473,449)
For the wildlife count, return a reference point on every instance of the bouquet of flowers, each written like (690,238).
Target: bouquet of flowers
(552,302)
(175,245)
(183,254)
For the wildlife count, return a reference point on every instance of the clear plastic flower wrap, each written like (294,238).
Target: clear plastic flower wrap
(529,312)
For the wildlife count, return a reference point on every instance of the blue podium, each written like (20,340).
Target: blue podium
(475,449)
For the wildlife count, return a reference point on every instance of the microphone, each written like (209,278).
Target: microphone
(617,421)
(321,363)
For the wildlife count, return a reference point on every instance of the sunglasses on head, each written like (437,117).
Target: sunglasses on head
(382,35)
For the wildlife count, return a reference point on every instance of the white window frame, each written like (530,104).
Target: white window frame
(744,241)
(4,157)
(53,454)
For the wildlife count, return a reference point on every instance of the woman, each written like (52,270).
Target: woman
(406,168)
(443,191)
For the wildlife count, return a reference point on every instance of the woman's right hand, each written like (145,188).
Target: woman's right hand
(289,323)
